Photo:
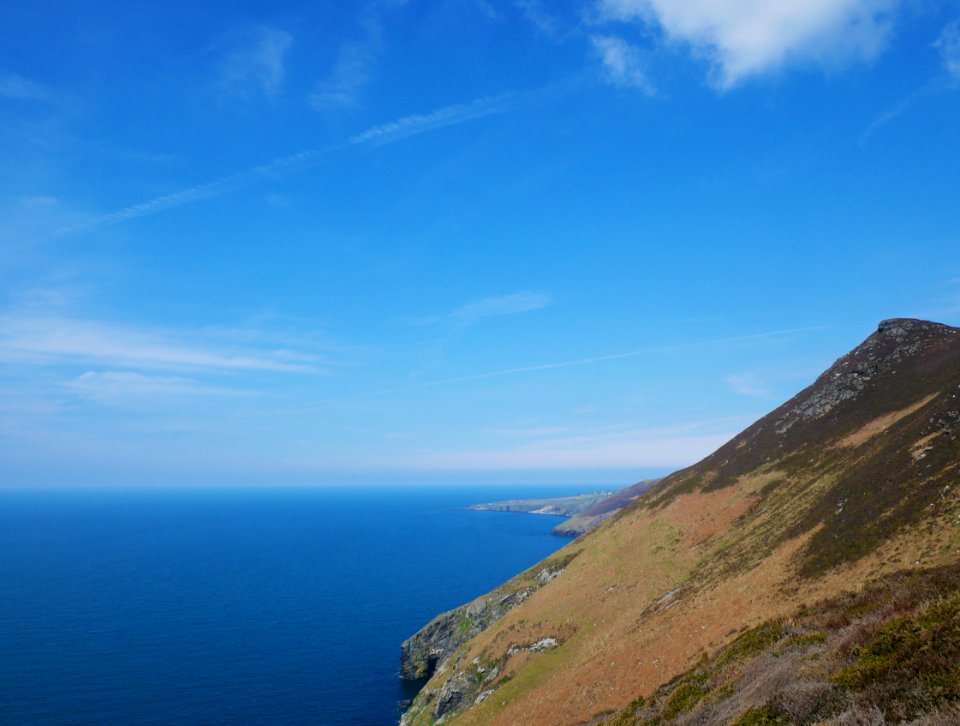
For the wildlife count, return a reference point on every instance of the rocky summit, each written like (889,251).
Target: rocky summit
(807,571)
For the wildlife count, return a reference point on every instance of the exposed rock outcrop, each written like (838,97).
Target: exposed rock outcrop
(894,341)
(424,651)
(435,646)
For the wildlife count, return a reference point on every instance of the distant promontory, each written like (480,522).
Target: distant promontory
(583,511)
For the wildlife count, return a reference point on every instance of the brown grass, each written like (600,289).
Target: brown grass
(618,644)
(885,654)
(882,423)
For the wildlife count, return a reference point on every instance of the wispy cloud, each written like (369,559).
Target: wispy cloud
(256,66)
(949,45)
(745,39)
(621,62)
(535,12)
(357,58)
(487,9)
(349,75)
(39,203)
(49,339)
(125,387)
(491,307)
(16,87)
(390,132)
(748,384)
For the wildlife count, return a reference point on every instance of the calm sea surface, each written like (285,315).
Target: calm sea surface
(281,607)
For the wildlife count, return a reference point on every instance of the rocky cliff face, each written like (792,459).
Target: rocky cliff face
(434,647)
(857,477)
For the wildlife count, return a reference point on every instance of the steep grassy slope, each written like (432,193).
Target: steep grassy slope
(887,653)
(855,478)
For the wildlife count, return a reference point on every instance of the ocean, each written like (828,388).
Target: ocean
(238,606)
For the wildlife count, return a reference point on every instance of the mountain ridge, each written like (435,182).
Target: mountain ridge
(853,478)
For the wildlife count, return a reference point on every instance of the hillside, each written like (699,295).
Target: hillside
(889,652)
(853,481)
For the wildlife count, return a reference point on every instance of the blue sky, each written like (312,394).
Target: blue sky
(445,242)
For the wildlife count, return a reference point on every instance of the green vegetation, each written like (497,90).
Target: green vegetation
(915,657)
(686,695)
(760,717)
(752,642)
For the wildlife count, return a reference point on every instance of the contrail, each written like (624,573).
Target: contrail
(930,88)
(386,133)
(448,116)
(206,190)
(601,358)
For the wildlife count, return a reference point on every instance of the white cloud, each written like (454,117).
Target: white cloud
(748,384)
(744,38)
(949,45)
(49,339)
(621,62)
(257,66)
(491,307)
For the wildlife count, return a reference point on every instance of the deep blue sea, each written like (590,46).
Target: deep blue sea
(238,606)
